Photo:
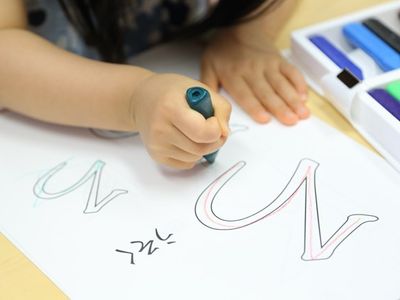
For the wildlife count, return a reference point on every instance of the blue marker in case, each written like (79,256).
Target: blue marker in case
(360,36)
(199,100)
(337,56)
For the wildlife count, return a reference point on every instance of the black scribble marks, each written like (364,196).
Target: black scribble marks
(160,238)
(149,245)
(93,204)
(304,175)
(126,252)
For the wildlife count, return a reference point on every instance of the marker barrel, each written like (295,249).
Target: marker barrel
(361,37)
(199,100)
(391,104)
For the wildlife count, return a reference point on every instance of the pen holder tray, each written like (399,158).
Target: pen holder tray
(373,121)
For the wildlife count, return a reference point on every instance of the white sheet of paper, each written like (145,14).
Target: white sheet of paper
(278,228)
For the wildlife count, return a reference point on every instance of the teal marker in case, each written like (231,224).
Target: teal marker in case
(199,100)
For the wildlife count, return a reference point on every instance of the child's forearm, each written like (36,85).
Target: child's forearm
(40,80)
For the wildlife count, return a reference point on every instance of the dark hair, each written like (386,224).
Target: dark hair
(99,21)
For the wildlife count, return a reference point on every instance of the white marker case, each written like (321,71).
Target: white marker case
(373,121)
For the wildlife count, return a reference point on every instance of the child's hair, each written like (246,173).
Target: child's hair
(99,21)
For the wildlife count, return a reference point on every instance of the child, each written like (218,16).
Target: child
(43,81)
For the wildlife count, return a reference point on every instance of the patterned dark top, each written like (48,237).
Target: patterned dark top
(149,22)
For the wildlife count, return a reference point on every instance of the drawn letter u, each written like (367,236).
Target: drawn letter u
(94,173)
(314,248)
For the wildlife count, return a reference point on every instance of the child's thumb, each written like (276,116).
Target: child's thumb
(222,111)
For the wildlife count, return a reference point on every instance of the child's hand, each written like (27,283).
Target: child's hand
(257,77)
(174,134)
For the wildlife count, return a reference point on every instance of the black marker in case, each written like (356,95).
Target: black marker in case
(386,34)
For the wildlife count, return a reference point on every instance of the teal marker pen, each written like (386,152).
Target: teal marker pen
(199,100)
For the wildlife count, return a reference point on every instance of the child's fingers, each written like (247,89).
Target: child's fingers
(181,142)
(182,155)
(208,75)
(241,92)
(175,163)
(287,92)
(193,125)
(272,101)
(222,111)
(296,78)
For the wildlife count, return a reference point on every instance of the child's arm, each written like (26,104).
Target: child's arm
(48,83)
(244,61)
(40,80)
